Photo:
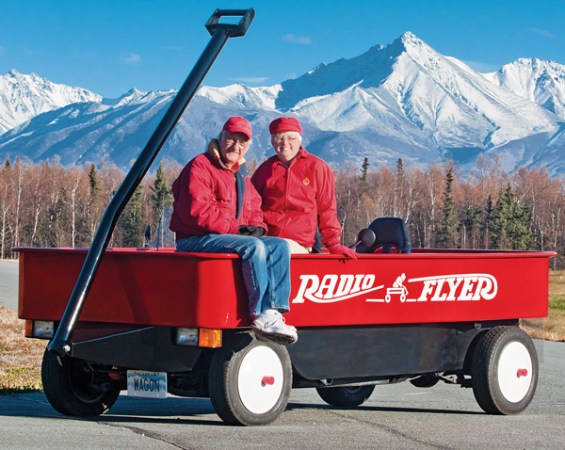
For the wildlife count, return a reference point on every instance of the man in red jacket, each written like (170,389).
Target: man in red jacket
(298,192)
(216,209)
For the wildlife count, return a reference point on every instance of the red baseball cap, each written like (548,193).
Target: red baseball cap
(283,124)
(237,124)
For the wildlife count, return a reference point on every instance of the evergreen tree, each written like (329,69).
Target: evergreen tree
(400,172)
(131,221)
(93,214)
(519,231)
(472,223)
(94,183)
(511,223)
(364,170)
(161,196)
(399,188)
(487,225)
(499,221)
(448,235)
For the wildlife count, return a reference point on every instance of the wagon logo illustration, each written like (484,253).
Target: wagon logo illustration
(397,288)
(443,288)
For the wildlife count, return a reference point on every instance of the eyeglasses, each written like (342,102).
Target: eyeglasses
(230,142)
(278,138)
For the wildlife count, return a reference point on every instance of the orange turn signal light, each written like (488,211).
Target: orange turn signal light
(209,337)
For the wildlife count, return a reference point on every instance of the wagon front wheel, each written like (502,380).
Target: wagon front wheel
(505,371)
(249,382)
(74,388)
(346,396)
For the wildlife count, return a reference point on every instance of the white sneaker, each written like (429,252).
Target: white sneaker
(270,325)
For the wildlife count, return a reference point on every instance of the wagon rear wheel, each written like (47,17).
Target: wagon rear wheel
(250,382)
(346,396)
(505,371)
(74,388)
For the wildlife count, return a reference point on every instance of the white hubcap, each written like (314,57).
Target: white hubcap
(260,379)
(514,371)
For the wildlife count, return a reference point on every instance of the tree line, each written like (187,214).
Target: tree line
(48,205)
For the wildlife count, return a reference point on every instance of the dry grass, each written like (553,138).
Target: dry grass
(20,357)
(551,328)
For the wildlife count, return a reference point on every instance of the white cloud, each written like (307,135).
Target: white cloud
(250,79)
(132,58)
(294,39)
(541,32)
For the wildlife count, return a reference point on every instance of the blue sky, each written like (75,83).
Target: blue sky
(110,46)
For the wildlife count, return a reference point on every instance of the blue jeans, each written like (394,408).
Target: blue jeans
(265,265)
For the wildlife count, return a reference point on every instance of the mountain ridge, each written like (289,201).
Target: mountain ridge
(403,100)
(24,96)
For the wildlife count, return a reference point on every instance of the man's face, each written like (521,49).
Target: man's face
(286,145)
(233,147)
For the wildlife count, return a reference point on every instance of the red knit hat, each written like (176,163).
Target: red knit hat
(283,124)
(238,124)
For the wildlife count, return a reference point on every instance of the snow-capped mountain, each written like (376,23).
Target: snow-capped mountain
(542,82)
(23,97)
(403,100)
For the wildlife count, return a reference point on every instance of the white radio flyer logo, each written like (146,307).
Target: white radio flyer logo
(333,288)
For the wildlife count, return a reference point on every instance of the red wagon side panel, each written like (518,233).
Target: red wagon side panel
(419,288)
(135,287)
(149,287)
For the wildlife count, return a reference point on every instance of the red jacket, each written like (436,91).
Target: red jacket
(298,198)
(205,200)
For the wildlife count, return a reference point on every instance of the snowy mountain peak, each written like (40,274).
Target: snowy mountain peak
(542,82)
(23,96)
(409,39)
(369,70)
(132,95)
(242,96)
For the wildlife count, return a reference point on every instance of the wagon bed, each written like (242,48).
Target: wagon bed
(158,321)
(166,288)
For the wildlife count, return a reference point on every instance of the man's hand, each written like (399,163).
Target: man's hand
(251,230)
(343,250)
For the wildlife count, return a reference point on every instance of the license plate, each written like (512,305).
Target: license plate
(147,384)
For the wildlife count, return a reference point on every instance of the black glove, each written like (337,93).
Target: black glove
(251,230)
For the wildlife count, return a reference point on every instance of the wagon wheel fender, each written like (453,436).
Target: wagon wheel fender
(250,381)
(504,372)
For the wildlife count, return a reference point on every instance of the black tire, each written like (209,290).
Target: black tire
(249,382)
(346,396)
(73,388)
(425,381)
(504,371)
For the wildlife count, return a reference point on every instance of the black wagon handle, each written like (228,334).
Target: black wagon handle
(235,30)
(220,33)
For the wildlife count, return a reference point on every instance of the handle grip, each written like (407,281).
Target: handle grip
(232,30)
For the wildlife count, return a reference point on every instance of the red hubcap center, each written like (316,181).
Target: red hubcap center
(522,373)
(268,380)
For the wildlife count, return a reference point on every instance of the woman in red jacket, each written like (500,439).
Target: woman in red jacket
(216,209)
(298,192)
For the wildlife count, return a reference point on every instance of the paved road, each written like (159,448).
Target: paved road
(9,284)
(398,416)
